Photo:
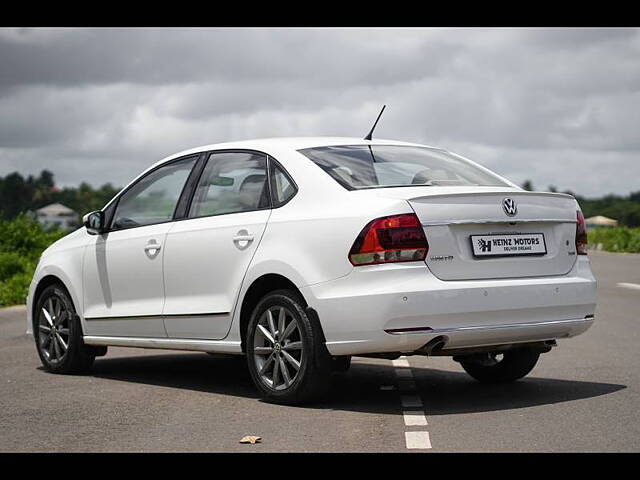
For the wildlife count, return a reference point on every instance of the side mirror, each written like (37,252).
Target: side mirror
(94,222)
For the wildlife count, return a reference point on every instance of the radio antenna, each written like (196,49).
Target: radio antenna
(368,137)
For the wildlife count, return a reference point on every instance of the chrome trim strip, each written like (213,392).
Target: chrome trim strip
(220,346)
(159,317)
(505,220)
(550,323)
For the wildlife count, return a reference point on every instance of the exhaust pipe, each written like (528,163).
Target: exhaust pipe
(433,345)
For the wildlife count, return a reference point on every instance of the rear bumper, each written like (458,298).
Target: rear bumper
(485,335)
(381,308)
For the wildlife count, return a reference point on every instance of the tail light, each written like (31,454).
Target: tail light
(581,235)
(399,238)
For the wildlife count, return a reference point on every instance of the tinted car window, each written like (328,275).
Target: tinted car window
(371,166)
(231,182)
(153,199)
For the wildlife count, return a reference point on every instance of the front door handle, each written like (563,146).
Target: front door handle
(152,248)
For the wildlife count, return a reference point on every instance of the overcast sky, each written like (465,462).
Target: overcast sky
(557,106)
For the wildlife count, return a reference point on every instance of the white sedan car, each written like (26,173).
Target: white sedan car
(302,252)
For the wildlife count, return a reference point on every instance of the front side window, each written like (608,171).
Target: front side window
(231,182)
(153,199)
(374,166)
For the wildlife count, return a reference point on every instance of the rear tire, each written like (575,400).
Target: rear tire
(58,334)
(500,367)
(287,359)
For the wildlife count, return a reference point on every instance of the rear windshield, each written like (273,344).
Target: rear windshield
(375,166)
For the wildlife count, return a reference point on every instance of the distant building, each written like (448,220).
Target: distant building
(600,221)
(57,215)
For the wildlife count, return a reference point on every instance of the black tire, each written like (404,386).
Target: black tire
(500,367)
(341,364)
(311,380)
(77,357)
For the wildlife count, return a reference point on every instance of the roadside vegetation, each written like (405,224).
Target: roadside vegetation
(619,239)
(22,241)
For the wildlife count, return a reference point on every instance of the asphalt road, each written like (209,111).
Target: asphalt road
(583,396)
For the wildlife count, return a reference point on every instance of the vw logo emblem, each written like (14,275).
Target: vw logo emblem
(509,206)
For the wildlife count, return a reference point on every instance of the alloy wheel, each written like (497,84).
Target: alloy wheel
(278,348)
(53,329)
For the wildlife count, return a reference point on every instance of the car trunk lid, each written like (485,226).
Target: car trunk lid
(450,217)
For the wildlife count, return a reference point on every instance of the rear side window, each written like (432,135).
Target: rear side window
(375,166)
(231,182)
(282,186)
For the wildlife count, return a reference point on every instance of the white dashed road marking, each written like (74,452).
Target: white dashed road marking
(633,286)
(417,439)
(400,362)
(413,410)
(412,418)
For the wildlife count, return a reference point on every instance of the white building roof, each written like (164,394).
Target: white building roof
(55,209)
(600,220)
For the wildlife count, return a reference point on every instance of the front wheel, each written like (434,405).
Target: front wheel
(58,334)
(500,367)
(286,357)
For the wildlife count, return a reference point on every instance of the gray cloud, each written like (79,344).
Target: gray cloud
(558,106)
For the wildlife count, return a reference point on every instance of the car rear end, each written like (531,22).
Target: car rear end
(474,263)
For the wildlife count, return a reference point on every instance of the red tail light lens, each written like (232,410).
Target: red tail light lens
(399,238)
(581,235)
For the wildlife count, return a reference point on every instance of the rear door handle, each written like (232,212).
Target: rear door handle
(243,238)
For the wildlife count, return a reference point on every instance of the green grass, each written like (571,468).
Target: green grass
(619,239)
(22,241)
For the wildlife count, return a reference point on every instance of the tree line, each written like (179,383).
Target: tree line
(623,208)
(19,194)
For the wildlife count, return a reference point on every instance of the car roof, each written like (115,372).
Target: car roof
(293,143)
(274,144)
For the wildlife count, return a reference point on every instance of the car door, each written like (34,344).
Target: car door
(122,270)
(208,253)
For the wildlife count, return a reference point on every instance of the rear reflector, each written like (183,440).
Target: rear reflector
(399,238)
(581,235)
(408,330)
